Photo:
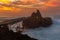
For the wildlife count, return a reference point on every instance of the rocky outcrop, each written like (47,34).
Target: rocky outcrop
(46,22)
(10,35)
(36,20)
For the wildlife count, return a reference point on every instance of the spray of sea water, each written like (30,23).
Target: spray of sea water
(50,33)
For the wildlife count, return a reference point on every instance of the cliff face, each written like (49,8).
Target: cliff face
(36,20)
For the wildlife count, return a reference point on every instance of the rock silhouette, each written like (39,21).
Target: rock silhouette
(36,20)
(6,34)
(46,22)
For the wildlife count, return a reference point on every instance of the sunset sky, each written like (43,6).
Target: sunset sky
(18,8)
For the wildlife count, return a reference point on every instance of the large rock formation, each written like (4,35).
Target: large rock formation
(36,20)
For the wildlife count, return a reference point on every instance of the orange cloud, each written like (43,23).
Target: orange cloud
(4,1)
(15,8)
(30,1)
(53,3)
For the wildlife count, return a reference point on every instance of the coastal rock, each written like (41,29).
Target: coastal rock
(46,22)
(36,20)
(32,21)
(10,35)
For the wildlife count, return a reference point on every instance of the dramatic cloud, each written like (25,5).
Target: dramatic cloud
(23,3)
(26,7)
(52,8)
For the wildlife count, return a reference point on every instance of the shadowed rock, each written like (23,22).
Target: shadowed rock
(6,34)
(46,22)
(36,20)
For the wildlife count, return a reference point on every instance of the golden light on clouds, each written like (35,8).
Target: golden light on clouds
(22,3)
(6,8)
(3,7)
(25,3)
(4,1)
(15,4)
(17,7)
(30,1)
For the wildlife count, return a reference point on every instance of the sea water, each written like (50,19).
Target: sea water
(50,33)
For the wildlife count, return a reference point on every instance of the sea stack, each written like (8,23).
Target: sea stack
(36,20)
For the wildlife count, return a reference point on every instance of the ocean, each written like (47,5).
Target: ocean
(50,33)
